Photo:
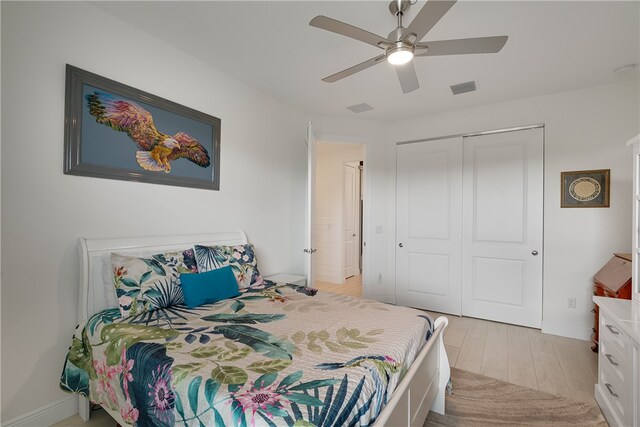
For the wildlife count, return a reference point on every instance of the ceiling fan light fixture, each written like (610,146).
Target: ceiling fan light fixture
(399,55)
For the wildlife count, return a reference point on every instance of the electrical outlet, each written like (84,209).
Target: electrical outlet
(571,303)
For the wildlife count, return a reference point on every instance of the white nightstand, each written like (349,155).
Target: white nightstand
(288,278)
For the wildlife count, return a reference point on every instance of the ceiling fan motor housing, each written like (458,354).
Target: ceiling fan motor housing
(396,34)
(396,6)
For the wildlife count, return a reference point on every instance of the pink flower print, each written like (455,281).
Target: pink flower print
(390,359)
(161,395)
(129,413)
(237,255)
(245,258)
(255,398)
(125,369)
(106,374)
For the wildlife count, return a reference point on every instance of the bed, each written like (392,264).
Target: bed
(277,354)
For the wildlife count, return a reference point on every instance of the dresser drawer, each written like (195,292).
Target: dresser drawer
(611,333)
(615,392)
(613,361)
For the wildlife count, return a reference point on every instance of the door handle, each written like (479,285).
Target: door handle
(610,389)
(611,359)
(401,245)
(613,331)
(534,253)
(309,251)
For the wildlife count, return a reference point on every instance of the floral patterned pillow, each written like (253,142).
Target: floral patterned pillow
(241,258)
(145,284)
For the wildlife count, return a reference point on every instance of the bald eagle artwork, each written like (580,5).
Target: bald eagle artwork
(156,150)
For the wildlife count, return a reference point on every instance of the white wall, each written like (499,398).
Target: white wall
(584,129)
(329,240)
(263,174)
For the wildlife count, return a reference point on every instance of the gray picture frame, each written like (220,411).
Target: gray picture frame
(601,179)
(76,81)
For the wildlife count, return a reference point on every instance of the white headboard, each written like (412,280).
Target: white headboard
(96,282)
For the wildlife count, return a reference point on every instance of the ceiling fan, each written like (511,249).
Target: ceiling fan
(403,44)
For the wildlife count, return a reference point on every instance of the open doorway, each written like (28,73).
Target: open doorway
(337,229)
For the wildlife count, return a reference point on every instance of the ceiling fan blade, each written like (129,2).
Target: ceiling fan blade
(462,46)
(428,17)
(408,77)
(347,30)
(356,68)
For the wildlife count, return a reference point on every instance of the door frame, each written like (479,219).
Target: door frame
(366,199)
(310,141)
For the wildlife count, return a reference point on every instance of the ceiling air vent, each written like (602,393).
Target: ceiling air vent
(360,108)
(463,87)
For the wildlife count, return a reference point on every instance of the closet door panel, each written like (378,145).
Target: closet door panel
(502,227)
(428,247)
(499,193)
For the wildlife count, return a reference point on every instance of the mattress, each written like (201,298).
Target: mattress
(278,354)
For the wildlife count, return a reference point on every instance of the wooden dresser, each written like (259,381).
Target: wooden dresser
(613,281)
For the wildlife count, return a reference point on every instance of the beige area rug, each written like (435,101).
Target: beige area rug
(482,401)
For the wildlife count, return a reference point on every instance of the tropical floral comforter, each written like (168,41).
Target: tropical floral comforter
(277,354)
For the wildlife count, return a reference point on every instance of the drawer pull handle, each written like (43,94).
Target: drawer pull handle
(611,359)
(608,386)
(613,331)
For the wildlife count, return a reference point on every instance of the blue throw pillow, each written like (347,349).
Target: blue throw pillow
(212,286)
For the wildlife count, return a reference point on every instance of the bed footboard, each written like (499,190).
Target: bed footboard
(424,386)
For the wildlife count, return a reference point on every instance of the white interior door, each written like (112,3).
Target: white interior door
(429,225)
(357,248)
(350,221)
(311,208)
(502,227)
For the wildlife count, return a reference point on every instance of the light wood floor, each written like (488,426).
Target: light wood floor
(523,356)
(352,286)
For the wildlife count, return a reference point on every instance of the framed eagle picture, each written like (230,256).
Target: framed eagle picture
(119,132)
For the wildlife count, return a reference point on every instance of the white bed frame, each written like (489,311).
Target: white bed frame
(422,388)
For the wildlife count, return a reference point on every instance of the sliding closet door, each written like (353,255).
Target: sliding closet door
(429,203)
(502,227)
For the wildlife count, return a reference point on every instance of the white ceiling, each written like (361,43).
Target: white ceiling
(553,46)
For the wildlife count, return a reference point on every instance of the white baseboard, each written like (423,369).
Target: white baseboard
(46,415)
(565,330)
